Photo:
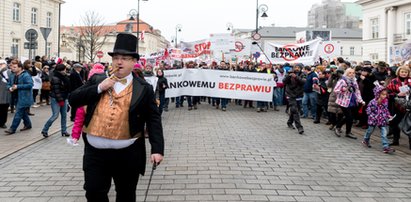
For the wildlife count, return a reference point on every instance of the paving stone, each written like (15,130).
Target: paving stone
(225,157)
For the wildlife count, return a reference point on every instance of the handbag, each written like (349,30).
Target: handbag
(405,124)
(46,85)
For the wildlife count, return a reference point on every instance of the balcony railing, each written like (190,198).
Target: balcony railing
(400,38)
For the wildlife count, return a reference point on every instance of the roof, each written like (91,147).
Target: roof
(289,32)
(117,27)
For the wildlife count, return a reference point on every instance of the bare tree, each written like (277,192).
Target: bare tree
(93,35)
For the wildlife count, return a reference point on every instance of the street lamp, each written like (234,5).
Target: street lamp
(133,13)
(178,29)
(260,9)
(230,26)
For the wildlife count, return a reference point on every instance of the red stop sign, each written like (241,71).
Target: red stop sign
(100,54)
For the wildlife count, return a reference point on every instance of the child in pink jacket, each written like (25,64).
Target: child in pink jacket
(81,111)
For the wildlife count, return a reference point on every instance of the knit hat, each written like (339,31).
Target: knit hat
(137,66)
(97,69)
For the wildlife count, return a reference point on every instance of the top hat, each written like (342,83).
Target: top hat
(125,45)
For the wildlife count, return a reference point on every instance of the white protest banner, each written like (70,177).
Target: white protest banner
(242,47)
(219,83)
(194,49)
(222,43)
(305,53)
(152,80)
(329,49)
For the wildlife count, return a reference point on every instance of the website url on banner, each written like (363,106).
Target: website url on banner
(244,77)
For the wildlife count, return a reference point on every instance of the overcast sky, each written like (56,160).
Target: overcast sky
(198,18)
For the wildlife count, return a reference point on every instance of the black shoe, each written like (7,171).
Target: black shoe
(332,127)
(25,128)
(290,125)
(395,144)
(65,134)
(9,132)
(351,136)
(301,131)
(190,108)
(45,134)
(328,123)
(316,121)
(30,114)
(166,109)
(3,126)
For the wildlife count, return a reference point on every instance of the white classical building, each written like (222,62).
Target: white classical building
(18,16)
(350,40)
(386,23)
(151,40)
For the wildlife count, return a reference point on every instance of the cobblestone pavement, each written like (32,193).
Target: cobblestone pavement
(237,155)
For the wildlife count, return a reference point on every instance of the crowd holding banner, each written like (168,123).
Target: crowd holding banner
(293,75)
(222,84)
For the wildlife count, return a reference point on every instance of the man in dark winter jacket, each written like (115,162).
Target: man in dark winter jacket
(76,81)
(310,97)
(294,92)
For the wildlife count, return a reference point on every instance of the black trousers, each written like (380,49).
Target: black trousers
(102,165)
(394,125)
(347,120)
(294,113)
(73,113)
(3,113)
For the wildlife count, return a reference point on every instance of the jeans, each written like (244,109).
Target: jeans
(56,109)
(312,98)
(262,105)
(21,113)
(274,100)
(162,102)
(279,96)
(224,102)
(166,102)
(383,130)
(179,101)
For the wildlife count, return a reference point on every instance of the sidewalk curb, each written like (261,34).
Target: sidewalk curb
(32,143)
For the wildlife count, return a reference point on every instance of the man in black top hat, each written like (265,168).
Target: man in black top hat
(118,108)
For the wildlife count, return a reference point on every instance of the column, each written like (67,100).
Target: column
(391,30)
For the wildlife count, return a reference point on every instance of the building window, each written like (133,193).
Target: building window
(48,49)
(408,23)
(374,56)
(342,51)
(48,20)
(16,12)
(374,28)
(352,50)
(15,48)
(34,16)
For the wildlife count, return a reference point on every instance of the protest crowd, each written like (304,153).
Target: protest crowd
(337,93)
